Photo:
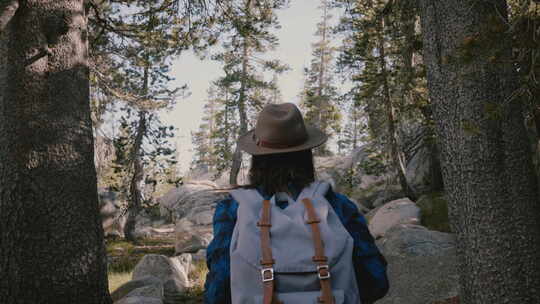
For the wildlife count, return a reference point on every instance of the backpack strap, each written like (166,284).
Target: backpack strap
(267,262)
(246,196)
(320,258)
(315,189)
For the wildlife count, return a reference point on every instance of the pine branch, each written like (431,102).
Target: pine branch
(107,23)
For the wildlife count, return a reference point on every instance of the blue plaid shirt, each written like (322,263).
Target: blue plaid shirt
(369,264)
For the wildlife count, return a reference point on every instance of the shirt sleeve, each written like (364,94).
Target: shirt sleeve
(217,288)
(369,264)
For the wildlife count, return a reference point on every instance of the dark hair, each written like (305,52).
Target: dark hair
(275,172)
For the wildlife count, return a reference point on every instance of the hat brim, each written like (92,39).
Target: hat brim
(315,138)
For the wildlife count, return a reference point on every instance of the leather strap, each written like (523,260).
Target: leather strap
(320,259)
(267,262)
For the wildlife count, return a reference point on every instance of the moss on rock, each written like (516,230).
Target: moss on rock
(434,210)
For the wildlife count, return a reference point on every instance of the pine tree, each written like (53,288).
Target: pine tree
(117,28)
(381,66)
(140,85)
(204,139)
(353,132)
(248,25)
(320,95)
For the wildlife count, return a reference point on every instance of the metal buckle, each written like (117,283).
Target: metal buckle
(264,270)
(321,267)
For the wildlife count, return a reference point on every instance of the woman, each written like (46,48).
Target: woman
(291,238)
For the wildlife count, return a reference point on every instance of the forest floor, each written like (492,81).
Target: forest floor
(124,256)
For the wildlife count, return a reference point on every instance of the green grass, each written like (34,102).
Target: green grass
(197,275)
(124,256)
(117,279)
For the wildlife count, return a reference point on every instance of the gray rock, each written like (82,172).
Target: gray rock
(371,213)
(164,269)
(421,265)
(190,199)
(111,211)
(203,218)
(128,287)
(183,262)
(150,291)
(401,211)
(415,240)
(418,170)
(170,292)
(190,237)
(108,209)
(385,196)
(421,279)
(143,232)
(199,256)
(419,163)
(333,169)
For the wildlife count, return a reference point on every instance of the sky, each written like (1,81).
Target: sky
(298,25)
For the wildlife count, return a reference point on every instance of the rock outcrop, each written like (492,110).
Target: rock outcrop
(126,289)
(156,279)
(191,237)
(401,211)
(192,207)
(421,265)
(194,201)
(164,268)
(111,213)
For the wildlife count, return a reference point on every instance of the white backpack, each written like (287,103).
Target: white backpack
(288,271)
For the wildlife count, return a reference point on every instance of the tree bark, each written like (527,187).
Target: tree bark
(237,156)
(52,248)
(486,157)
(135,193)
(7,11)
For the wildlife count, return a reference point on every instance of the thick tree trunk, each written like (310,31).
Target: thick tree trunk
(486,157)
(135,193)
(237,156)
(51,238)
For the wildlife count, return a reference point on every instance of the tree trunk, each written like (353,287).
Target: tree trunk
(211,161)
(536,117)
(391,128)
(486,157)
(51,236)
(237,156)
(355,128)
(135,194)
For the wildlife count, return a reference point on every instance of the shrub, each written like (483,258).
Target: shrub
(434,209)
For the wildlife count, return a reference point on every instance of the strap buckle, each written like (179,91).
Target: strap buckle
(323,272)
(269,271)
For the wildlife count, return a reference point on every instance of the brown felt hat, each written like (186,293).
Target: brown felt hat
(280,128)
